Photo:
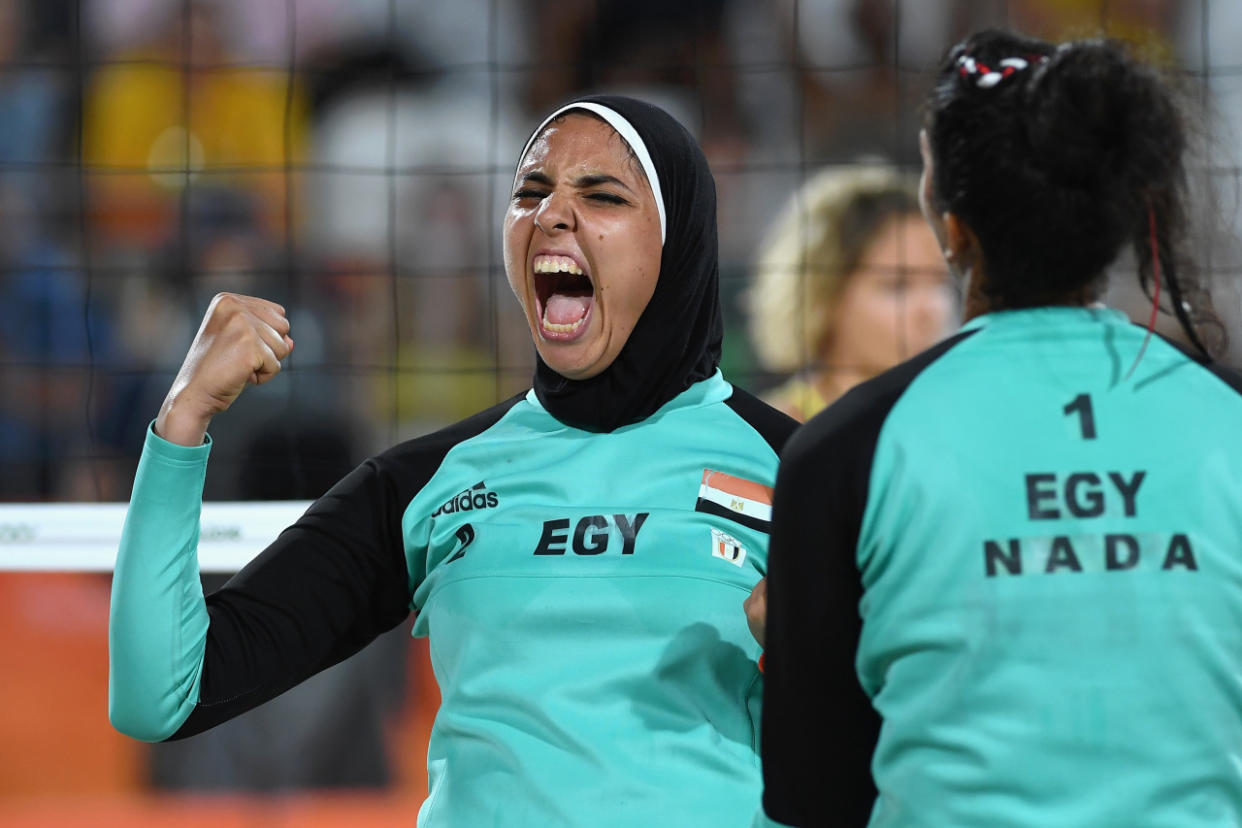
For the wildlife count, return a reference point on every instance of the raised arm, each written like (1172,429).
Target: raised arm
(179,662)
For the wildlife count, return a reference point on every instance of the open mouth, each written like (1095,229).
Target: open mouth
(564,297)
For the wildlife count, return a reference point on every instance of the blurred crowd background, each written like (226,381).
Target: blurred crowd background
(352,161)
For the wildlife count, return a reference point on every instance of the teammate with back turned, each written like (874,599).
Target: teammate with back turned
(1005,582)
(578,555)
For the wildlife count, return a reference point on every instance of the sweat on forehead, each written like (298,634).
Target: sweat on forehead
(630,155)
(633,142)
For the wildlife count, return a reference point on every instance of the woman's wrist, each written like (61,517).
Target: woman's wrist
(180,423)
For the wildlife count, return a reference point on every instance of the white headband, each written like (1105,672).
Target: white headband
(626,131)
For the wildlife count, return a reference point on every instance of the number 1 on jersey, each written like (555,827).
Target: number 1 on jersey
(1081,405)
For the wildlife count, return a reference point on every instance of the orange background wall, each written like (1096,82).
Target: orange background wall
(61,763)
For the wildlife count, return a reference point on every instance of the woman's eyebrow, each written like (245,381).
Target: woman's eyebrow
(537,177)
(582,182)
(595,179)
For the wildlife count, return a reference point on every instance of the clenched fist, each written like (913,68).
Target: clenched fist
(241,341)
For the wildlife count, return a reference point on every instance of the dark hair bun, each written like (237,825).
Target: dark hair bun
(1056,164)
(1056,157)
(1100,121)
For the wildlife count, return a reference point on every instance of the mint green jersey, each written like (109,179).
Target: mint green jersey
(582,593)
(1036,568)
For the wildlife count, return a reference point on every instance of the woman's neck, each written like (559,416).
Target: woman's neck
(978,302)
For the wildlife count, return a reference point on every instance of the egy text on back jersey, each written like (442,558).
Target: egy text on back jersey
(1030,564)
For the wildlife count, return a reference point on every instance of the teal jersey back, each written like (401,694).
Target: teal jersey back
(1049,561)
(583,597)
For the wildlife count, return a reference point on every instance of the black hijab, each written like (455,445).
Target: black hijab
(676,341)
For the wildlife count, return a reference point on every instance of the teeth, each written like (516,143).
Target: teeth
(557,264)
(573,326)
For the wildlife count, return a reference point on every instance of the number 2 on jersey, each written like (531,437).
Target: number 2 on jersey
(1081,405)
(465,534)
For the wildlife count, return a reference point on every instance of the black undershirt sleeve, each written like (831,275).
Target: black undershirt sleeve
(819,727)
(774,426)
(325,588)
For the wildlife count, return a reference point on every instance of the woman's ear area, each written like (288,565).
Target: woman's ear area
(957,241)
(968,265)
(961,245)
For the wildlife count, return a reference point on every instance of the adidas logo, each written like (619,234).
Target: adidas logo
(476,497)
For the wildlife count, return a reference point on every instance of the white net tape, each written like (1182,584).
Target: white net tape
(83,537)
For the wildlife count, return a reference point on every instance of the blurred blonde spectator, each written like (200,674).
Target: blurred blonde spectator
(173,112)
(849,282)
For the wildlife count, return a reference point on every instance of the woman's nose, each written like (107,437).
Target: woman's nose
(555,214)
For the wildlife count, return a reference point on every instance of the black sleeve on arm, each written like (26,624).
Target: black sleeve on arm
(325,588)
(819,728)
(773,426)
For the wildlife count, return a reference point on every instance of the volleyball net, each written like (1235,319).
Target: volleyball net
(83,537)
(352,161)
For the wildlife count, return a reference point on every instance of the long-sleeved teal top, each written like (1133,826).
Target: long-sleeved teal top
(582,593)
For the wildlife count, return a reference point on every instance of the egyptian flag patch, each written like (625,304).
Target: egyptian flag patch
(727,547)
(742,501)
